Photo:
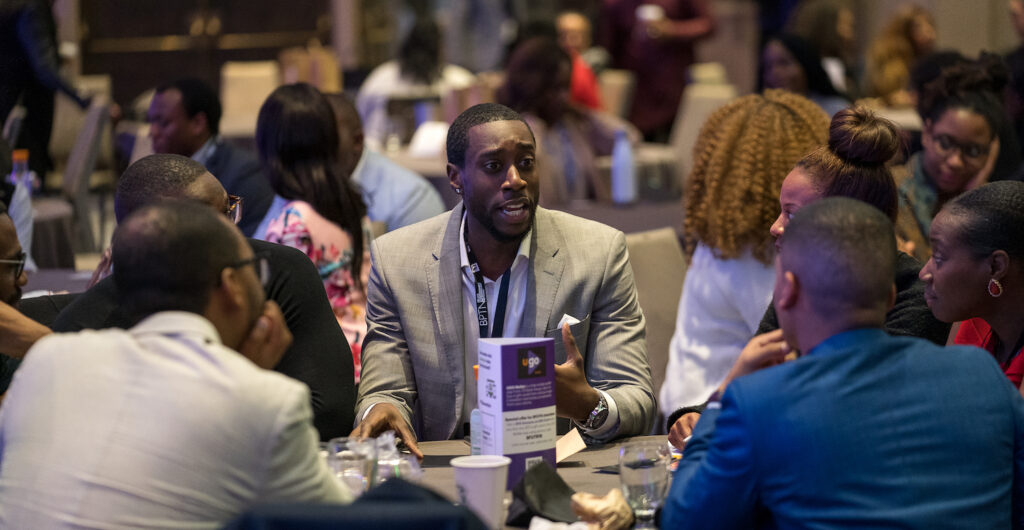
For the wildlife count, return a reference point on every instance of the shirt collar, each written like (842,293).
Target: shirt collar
(358,170)
(177,323)
(522,256)
(205,152)
(846,340)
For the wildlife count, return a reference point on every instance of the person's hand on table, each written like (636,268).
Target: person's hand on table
(385,417)
(268,339)
(682,429)
(610,512)
(762,351)
(18,332)
(574,397)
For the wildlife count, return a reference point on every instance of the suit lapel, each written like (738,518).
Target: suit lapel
(547,265)
(445,283)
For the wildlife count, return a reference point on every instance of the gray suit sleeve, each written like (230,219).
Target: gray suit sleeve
(387,374)
(616,361)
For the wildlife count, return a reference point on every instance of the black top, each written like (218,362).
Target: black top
(319,355)
(909,316)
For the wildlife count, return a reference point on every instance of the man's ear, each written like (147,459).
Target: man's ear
(788,291)
(231,289)
(454,177)
(199,124)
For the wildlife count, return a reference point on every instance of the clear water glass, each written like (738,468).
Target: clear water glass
(644,474)
(354,462)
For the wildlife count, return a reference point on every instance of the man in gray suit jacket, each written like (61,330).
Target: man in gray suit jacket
(541,273)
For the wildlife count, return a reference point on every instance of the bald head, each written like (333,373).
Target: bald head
(166,176)
(843,254)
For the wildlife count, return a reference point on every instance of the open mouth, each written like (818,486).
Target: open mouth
(516,210)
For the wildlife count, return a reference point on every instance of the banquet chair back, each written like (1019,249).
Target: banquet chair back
(13,123)
(394,504)
(71,211)
(659,268)
(617,88)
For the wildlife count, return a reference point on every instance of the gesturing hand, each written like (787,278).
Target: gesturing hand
(574,397)
(385,417)
(268,339)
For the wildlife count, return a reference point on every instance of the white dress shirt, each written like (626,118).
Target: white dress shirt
(158,426)
(515,306)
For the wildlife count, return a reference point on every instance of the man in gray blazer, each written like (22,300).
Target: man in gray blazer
(536,273)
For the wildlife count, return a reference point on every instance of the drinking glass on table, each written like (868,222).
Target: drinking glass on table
(354,462)
(643,471)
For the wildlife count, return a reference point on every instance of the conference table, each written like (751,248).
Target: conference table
(578,470)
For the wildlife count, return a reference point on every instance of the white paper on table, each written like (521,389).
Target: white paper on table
(569,445)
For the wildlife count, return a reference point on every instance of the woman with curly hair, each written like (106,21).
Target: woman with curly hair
(963,113)
(907,37)
(742,154)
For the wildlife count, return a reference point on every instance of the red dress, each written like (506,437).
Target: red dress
(977,332)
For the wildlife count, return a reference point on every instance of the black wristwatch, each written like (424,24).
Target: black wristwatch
(597,416)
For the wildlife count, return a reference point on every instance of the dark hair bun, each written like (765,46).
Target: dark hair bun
(857,136)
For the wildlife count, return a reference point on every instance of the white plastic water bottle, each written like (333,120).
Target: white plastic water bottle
(623,170)
(20,173)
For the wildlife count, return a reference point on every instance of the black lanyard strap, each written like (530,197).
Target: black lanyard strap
(482,313)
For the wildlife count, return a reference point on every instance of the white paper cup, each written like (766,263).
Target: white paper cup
(480,480)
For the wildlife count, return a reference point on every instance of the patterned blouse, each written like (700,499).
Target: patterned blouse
(330,248)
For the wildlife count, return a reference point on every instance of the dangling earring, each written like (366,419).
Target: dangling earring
(995,289)
(458,191)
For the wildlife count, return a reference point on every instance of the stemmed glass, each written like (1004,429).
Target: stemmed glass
(643,471)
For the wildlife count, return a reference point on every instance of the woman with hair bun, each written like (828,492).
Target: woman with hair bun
(976,272)
(852,164)
(962,112)
(741,155)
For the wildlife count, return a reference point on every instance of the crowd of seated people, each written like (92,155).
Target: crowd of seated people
(846,332)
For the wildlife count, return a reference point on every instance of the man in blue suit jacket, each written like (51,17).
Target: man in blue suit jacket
(863,430)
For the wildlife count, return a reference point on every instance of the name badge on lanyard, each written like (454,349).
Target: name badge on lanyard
(482,313)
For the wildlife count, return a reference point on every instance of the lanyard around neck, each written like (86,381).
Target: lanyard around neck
(482,313)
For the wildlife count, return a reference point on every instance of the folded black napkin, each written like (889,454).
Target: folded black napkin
(541,492)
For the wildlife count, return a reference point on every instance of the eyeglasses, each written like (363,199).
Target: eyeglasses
(19,263)
(259,262)
(234,209)
(972,153)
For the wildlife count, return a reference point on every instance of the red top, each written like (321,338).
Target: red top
(583,87)
(977,332)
